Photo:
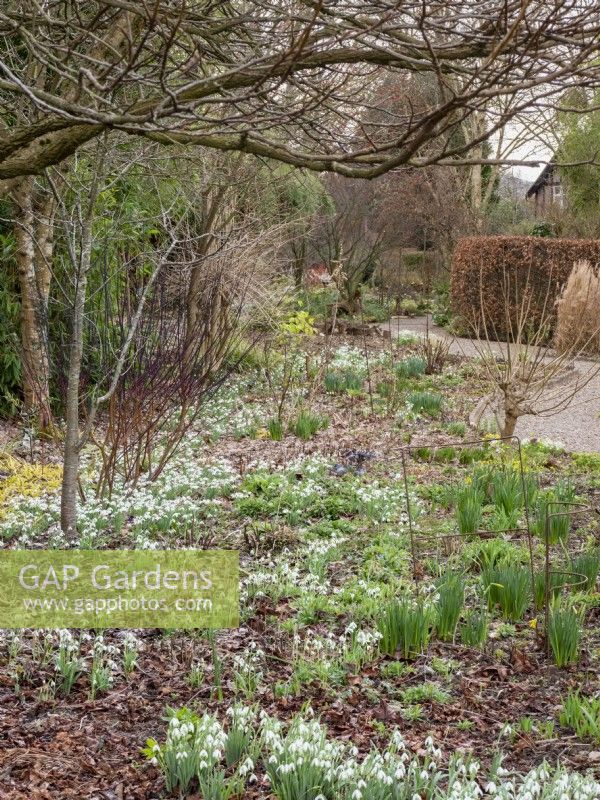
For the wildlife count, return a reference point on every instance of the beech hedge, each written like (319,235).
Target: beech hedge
(492,276)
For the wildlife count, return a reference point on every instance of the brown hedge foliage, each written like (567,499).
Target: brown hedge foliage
(495,277)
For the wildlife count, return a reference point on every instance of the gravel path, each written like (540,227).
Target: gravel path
(577,428)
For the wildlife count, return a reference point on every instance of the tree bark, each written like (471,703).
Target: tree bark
(510,423)
(72,446)
(34,241)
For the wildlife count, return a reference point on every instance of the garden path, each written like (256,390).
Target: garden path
(577,427)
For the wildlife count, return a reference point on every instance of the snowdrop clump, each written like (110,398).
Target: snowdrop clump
(73,655)
(349,358)
(247,669)
(544,783)
(302,762)
(103,666)
(311,466)
(194,745)
(272,577)
(360,645)
(406,337)
(184,492)
(384,503)
(199,747)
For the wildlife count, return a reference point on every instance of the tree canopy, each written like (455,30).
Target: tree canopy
(286,79)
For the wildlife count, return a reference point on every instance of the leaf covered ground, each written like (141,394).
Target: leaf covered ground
(322,527)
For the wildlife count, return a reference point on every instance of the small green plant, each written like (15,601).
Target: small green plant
(451,596)
(564,633)
(444,666)
(130,653)
(240,736)
(507,491)
(469,509)
(340,381)
(386,389)
(456,428)
(299,323)
(558,580)
(443,455)
(353,381)
(195,676)
(546,730)
(425,692)
(474,630)
(411,367)
(307,424)
(549,511)
(469,455)
(582,714)
(505,631)
(69,664)
(247,673)
(422,453)
(409,307)
(501,521)
(525,726)
(426,403)
(413,713)
(464,725)
(490,552)
(333,382)
(588,564)
(508,586)
(275,428)
(101,677)
(47,692)
(405,625)
(395,669)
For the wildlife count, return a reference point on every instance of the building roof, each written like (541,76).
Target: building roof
(541,179)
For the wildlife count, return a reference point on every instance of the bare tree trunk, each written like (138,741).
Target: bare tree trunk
(33,238)
(510,423)
(72,447)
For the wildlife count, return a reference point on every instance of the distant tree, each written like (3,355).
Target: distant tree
(288,80)
(299,198)
(350,237)
(580,147)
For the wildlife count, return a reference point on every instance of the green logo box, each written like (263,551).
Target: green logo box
(119,588)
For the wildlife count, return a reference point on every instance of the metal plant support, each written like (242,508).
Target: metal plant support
(579,578)
(356,461)
(516,532)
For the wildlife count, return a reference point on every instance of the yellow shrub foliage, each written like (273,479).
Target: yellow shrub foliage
(20,478)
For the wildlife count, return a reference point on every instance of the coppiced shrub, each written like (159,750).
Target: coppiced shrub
(578,326)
